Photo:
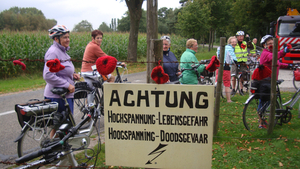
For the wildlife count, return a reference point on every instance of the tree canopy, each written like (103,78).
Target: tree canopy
(83,26)
(24,19)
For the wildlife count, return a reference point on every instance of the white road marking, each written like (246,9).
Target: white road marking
(6,113)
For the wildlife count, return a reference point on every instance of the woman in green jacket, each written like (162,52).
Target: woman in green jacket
(187,59)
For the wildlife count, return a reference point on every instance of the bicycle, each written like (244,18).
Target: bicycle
(202,80)
(296,76)
(282,111)
(67,139)
(82,90)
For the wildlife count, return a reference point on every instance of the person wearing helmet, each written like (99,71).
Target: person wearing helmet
(267,55)
(63,78)
(241,53)
(266,60)
(170,63)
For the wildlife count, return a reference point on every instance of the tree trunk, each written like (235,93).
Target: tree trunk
(212,37)
(135,13)
(209,40)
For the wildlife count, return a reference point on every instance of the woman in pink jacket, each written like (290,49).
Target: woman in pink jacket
(266,60)
(267,55)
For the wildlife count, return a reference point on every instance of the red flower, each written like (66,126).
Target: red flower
(261,72)
(18,62)
(213,64)
(54,65)
(243,46)
(158,75)
(106,65)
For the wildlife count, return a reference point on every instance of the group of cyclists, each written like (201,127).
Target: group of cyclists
(237,52)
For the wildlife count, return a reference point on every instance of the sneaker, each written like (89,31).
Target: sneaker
(262,126)
(241,92)
(232,92)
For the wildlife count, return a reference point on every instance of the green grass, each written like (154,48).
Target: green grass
(235,147)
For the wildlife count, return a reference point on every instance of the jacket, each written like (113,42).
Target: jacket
(187,59)
(91,54)
(62,78)
(170,65)
(266,58)
(240,53)
(230,56)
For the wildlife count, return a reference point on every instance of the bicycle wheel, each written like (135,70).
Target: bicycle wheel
(80,102)
(245,83)
(250,116)
(223,92)
(296,83)
(207,81)
(35,135)
(236,88)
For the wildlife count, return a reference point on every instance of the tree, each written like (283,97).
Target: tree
(24,19)
(104,28)
(83,26)
(135,13)
(192,20)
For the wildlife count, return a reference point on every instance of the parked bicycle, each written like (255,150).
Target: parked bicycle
(282,112)
(35,141)
(82,90)
(205,78)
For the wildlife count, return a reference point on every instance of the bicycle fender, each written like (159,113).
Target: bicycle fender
(19,137)
(247,101)
(22,132)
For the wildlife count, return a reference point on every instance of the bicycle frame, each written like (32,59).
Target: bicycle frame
(78,140)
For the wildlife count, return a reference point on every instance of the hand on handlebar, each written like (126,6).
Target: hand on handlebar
(71,88)
(76,76)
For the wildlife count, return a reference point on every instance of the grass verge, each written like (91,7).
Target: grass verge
(235,147)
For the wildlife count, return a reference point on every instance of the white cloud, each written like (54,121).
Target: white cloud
(71,12)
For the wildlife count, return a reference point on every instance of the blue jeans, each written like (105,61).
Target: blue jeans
(261,103)
(61,103)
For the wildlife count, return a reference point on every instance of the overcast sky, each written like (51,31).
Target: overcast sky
(71,12)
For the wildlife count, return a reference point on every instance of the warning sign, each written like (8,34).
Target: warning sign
(158,126)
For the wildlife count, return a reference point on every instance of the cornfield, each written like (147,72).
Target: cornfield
(34,45)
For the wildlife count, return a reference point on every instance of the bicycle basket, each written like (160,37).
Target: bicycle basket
(297,74)
(33,108)
(82,85)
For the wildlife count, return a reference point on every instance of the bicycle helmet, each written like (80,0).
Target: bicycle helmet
(265,38)
(240,33)
(58,30)
(166,38)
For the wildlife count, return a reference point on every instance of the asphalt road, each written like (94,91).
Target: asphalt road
(10,128)
(9,125)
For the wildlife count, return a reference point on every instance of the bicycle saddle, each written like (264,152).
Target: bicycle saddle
(59,90)
(279,81)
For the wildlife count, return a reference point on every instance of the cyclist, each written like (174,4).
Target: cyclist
(63,78)
(92,52)
(267,55)
(170,64)
(266,60)
(187,59)
(242,57)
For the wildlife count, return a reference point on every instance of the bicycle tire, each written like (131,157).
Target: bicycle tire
(250,117)
(245,84)
(223,93)
(236,89)
(207,81)
(80,101)
(32,140)
(296,83)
